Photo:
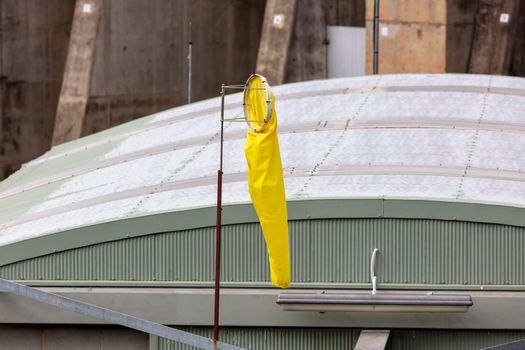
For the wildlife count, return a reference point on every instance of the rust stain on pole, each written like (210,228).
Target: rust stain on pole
(77,75)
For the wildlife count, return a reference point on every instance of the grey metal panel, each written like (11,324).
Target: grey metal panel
(124,339)
(346,51)
(256,307)
(451,340)
(345,339)
(275,338)
(20,338)
(68,338)
(412,251)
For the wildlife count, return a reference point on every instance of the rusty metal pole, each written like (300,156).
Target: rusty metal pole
(218,230)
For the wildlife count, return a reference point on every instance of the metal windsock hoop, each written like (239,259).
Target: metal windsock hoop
(257,102)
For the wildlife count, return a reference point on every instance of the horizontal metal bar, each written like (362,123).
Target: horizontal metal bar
(233,120)
(241,87)
(515,345)
(113,316)
(268,285)
(375,299)
(234,86)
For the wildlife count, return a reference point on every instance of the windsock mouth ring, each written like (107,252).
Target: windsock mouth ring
(257,103)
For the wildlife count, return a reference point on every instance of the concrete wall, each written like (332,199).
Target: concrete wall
(415,39)
(460,30)
(518,56)
(33,46)
(140,65)
(68,338)
(436,36)
(307,58)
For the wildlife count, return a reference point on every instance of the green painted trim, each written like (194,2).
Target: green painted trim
(153,342)
(244,213)
(267,285)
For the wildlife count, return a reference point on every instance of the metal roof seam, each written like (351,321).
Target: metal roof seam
(413,137)
(460,192)
(169,121)
(301,193)
(237,134)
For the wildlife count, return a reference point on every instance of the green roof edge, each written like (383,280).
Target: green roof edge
(332,208)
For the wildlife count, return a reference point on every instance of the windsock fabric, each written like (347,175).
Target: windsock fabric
(266,187)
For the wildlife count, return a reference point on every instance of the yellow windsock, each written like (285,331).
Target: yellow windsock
(266,184)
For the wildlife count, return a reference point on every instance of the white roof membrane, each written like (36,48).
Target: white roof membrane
(434,137)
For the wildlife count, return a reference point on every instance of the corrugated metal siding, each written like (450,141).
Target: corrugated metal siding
(275,338)
(325,251)
(346,339)
(450,340)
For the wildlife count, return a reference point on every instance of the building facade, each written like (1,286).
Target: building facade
(428,169)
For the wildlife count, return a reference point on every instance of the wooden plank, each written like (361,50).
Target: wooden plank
(77,75)
(372,340)
(278,24)
(491,46)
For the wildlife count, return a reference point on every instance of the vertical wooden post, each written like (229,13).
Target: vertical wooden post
(279,18)
(496,22)
(77,75)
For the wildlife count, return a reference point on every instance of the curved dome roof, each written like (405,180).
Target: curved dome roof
(452,138)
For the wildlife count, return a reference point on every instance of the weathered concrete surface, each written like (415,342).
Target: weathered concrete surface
(306,58)
(345,13)
(307,55)
(77,76)
(140,62)
(493,39)
(460,29)
(278,26)
(432,36)
(437,36)
(412,36)
(518,56)
(33,47)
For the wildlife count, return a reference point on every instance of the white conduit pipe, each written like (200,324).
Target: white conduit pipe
(372,271)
